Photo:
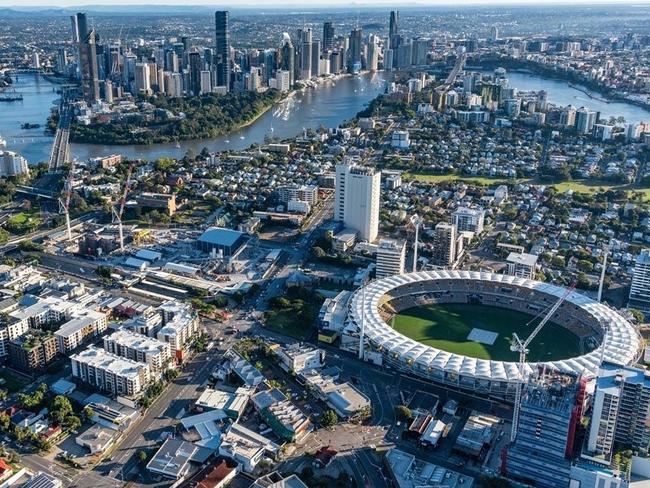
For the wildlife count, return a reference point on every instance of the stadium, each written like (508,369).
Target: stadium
(373,308)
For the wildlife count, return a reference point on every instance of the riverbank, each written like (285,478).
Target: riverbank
(203,117)
(525,66)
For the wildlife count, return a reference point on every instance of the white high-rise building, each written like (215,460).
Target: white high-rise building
(173,84)
(621,410)
(468,219)
(390,258)
(357,199)
(283,80)
(585,120)
(206,82)
(640,289)
(142,78)
(522,265)
(12,164)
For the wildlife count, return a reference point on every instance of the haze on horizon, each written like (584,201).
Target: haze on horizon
(313,4)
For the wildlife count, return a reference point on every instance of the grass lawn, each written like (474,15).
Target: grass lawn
(478,180)
(578,186)
(288,323)
(447,326)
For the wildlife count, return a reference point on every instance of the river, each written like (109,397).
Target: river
(561,93)
(329,105)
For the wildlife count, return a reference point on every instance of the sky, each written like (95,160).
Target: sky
(301,3)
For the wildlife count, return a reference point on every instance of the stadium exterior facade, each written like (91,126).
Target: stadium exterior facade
(371,306)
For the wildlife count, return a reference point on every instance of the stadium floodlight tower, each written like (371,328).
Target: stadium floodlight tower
(522,348)
(118,211)
(602,273)
(416,221)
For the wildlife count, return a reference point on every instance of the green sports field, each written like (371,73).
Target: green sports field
(447,326)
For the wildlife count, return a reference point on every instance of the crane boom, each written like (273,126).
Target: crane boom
(522,348)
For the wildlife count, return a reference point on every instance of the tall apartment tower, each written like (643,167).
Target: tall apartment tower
(469,219)
(288,57)
(328,36)
(585,120)
(621,410)
(445,245)
(551,409)
(357,199)
(640,289)
(390,258)
(222,48)
(87,57)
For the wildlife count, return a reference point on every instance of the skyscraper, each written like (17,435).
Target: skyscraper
(356,200)
(87,58)
(288,57)
(392,29)
(222,48)
(305,53)
(195,67)
(328,36)
(354,64)
(640,289)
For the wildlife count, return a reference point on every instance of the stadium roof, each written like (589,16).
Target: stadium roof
(621,345)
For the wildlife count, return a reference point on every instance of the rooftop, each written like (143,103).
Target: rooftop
(410,472)
(98,358)
(522,258)
(139,342)
(219,235)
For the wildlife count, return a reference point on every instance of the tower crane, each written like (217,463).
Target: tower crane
(522,348)
(64,201)
(118,210)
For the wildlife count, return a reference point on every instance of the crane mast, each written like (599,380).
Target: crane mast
(119,210)
(522,348)
(64,201)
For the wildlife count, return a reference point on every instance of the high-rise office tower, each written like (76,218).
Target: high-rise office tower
(551,410)
(75,29)
(393,27)
(288,57)
(356,199)
(328,36)
(222,48)
(87,58)
(445,242)
(354,65)
(494,33)
(61,61)
(305,53)
(372,59)
(640,289)
(621,410)
(195,68)
(315,58)
(390,258)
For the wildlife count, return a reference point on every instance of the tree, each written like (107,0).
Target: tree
(141,456)
(61,409)
(89,413)
(403,413)
(5,420)
(329,418)
(72,422)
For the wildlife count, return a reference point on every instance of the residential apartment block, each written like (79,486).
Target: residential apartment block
(137,347)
